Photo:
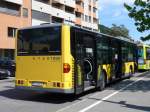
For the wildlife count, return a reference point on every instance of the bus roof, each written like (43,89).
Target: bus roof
(41,26)
(110,36)
(144,45)
(96,32)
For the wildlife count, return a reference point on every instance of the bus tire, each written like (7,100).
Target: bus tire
(102,81)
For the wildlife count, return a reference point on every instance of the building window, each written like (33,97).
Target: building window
(11,32)
(10,8)
(86,18)
(78,15)
(94,9)
(82,16)
(95,20)
(69,9)
(7,54)
(90,19)
(40,16)
(25,12)
(57,20)
(82,4)
(89,8)
(44,1)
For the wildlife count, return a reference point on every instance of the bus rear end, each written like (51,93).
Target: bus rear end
(40,63)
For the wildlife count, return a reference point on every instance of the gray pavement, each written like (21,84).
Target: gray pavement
(129,95)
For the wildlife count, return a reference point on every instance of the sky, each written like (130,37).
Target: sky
(113,12)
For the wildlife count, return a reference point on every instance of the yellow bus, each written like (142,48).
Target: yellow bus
(66,59)
(143,57)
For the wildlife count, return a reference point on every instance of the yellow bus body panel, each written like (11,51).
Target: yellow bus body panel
(108,69)
(142,67)
(67,57)
(145,66)
(39,68)
(127,67)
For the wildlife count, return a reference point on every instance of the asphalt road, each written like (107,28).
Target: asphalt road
(129,95)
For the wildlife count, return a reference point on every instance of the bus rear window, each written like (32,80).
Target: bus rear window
(39,41)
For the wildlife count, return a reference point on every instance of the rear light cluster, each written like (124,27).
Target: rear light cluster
(66,68)
(20,82)
(58,84)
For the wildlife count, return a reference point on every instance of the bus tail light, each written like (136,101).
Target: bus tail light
(20,82)
(66,68)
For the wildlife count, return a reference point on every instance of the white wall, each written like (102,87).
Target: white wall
(89,25)
(37,22)
(70,3)
(15,1)
(45,8)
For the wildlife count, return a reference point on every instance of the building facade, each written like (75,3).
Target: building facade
(83,13)
(53,11)
(87,14)
(16,14)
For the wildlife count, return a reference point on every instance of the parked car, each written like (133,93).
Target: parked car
(8,64)
(3,73)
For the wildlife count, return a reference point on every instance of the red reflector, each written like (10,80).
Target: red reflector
(54,84)
(20,81)
(66,68)
(58,84)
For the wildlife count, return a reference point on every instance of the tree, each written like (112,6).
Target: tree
(115,30)
(120,31)
(105,30)
(140,12)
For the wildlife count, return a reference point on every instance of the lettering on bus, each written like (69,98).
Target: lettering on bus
(52,58)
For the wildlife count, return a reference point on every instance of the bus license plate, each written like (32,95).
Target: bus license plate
(37,84)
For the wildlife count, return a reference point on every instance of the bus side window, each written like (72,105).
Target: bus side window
(99,52)
(148,53)
(103,51)
(88,45)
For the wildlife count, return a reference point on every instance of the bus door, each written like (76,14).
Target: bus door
(79,55)
(85,62)
(89,61)
(116,59)
(120,63)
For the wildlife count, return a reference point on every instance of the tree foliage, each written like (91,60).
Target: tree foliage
(140,12)
(115,30)
(105,30)
(120,31)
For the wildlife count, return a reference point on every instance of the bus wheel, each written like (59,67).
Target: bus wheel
(102,82)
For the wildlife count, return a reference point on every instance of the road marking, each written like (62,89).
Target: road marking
(95,94)
(67,107)
(109,96)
